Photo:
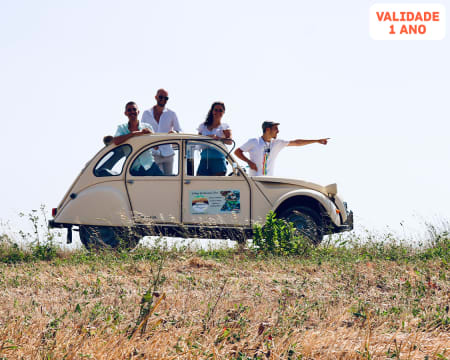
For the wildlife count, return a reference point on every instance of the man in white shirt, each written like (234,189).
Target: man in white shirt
(162,120)
(265,149)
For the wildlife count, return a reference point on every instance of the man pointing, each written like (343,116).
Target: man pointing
(264,150)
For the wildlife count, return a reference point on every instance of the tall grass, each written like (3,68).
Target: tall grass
(349,298)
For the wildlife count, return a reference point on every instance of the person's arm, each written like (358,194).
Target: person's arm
(122,138)
(175,125)
(300,142)
(240,154)
(225,139)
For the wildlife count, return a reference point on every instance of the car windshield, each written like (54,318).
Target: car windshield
(112,163)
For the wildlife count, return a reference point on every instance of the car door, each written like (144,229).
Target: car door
(154,188)
(212,199)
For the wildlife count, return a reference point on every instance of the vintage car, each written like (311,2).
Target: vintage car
(122,195)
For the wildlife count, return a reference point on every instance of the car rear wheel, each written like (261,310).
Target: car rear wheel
(306,221)
(103,237)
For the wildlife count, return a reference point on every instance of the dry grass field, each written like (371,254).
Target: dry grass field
(373,302)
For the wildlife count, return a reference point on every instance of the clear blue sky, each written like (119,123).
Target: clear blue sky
(68,67)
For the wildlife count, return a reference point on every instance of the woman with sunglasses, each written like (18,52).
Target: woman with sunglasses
(212,162)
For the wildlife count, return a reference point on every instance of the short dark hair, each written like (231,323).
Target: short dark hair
(130,103)
(267,125)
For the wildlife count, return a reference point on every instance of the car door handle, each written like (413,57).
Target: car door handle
(130,181)
(187,181)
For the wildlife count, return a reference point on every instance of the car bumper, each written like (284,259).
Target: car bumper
(54,225)
(348,225)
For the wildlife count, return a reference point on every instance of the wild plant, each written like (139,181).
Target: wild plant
(278,237)
(212,307)
(159,256)
(42,238)
(41,232)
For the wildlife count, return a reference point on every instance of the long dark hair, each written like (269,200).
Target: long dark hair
(209,117)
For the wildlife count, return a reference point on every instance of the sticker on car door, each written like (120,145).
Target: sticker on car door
(214,202)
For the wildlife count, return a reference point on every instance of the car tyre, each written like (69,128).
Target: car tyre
(236,235)
(104,237)
(306,221)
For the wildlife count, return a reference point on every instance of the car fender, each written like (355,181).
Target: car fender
(99,204)
(328,205)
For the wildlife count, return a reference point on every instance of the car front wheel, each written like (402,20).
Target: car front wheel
(306,222)
(103,237)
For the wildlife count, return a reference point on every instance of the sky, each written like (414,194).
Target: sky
(67,68)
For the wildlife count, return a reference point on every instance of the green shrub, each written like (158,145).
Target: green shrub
(46,252)
(440,247)
(279,237)
(11,253)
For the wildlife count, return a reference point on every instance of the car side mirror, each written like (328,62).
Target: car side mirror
(107,140)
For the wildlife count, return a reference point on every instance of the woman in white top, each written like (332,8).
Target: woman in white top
(212,162)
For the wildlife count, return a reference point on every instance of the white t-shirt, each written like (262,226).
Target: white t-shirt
(167,122)
(218,131)
(263,154)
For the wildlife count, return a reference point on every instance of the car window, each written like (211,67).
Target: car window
(205,159)
(112,163)
(159,160)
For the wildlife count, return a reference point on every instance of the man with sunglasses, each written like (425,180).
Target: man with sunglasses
(133,127)
(265,149)
(162,120)
(145,164)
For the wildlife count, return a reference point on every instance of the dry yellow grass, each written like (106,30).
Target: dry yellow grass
(240,308)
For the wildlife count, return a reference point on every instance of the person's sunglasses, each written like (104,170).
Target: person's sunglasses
(131,110)
(160,97)
(219,110)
